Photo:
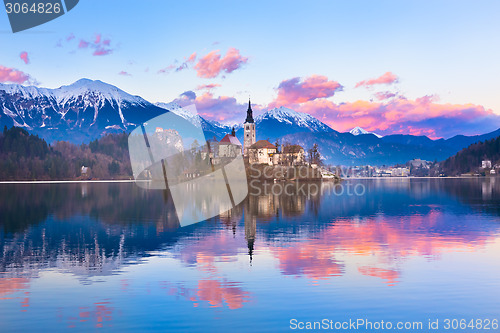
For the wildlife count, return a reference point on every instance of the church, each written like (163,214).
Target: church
(264,152)
(256,152)
(249,130)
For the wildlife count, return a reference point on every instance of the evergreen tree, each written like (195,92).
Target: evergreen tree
(114,168)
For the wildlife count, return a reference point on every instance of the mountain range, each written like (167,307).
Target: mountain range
(359,131)
(347,149)
(80,112)
(87,109)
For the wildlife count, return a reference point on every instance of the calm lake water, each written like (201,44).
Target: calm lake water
(110,256)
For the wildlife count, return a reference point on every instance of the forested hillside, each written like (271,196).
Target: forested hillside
(24,156)
(469,159)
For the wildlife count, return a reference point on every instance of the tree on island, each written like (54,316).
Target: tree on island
(315,155)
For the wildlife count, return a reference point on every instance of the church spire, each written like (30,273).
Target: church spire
(249,113)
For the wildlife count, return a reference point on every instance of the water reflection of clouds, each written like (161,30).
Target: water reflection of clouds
(317,238)
(99,315)
(12,285)
(15,289)
(205,254)
(391,277)
(215,292)
(386,241)
(383,243)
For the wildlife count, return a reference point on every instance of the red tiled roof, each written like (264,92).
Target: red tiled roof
(230,140)
(262,144)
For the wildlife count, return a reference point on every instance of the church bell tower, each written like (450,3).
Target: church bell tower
(249,130)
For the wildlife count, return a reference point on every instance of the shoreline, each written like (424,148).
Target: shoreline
(133,181)
(65,181)
(425,177)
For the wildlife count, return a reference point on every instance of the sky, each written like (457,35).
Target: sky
(410,67)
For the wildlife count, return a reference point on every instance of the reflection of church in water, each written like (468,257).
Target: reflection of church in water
(266,208)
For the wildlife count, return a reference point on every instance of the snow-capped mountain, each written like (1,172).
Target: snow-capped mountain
(345,149)
(194,119)
(358,131)
(270,125)
(86,109)
(281,121)
(95,91)
(78,112)
(293,118)
(211,128)
(92,92)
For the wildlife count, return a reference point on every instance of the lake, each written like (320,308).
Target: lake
(111,256)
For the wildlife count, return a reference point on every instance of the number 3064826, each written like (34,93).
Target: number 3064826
(35,8)
(475,324)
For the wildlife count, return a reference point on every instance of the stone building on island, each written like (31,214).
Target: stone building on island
(290,155)
(261,152)
(257,152)
(229,146)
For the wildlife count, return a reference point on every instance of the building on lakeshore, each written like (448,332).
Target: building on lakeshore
(290,155)
(229,146)
(261,152)
(84,171)
(400,172)
(486,164)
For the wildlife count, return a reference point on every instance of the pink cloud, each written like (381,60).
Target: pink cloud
(222,108)
(24,57)
(182,67)
(387,78)
(208,86)
(192,58)
(166,70)
(100,46)
(389,113)
(213,64)
(83,44)
(185,65)
(100,51)
(70,37)
(298,90)
(11,75)
(124,73)
(382,95)
(422,116)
